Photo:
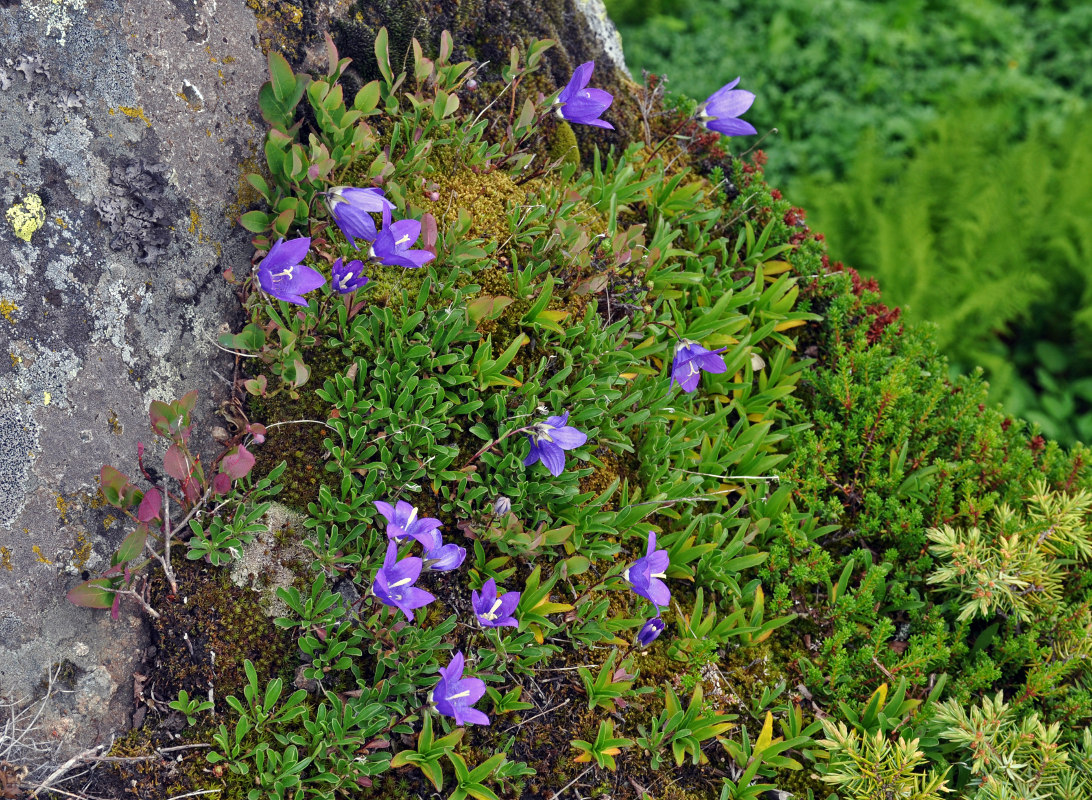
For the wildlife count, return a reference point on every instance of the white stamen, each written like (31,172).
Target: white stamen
(460,694)
(403,240)
(402,582)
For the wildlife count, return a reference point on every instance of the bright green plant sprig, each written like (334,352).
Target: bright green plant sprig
(190,707)
(683,730)
(429,752)
(605,747)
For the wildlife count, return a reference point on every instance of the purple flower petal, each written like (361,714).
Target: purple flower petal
(581,77)
(558,421)
(291,252)
(731,127)
(650,631)
(568,437)
(729,104)
(553,457)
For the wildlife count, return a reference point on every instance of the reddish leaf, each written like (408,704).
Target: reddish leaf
(257,430)
(221,484)
(428,227)
(92,594)
(191,490)
(238,463)
(150,506)
(176,463)
(115,607)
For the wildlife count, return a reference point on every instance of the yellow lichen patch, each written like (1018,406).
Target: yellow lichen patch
(81,550)
(15,360)
(6,309)
(115,424)
(108,521)
(26,218)
(47,398)
(131,113)
(40,556)
(5,559)
(62,509)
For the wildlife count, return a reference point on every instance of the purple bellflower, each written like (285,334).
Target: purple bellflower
(493,611)
(440,557)
(719,112)
(352,209)
(644,576)
(549,441)
(577,103)
(650,631)
(281,275)
(348,277)
(690,359)
(454,695)
(392,244)
(402,523)
(394,583)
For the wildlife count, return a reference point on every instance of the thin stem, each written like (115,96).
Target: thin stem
(298,421)
(663,141)
(493,443)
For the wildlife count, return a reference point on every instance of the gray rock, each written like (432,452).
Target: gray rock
(115,226)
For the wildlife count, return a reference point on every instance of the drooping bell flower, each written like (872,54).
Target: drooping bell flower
(644,576)
(720,111)
(281,275)
(403,522)
(493,611)
(394,583)
(650,631)
(455,695)
(549,441)
(577,103)
(691,359)
(348,277)
(392,246)
(352,208)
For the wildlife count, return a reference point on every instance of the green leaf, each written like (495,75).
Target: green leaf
(255,221)
(382,56)
(283,80)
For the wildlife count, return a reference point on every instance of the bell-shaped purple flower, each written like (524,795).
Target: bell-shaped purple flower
(650,631)
(348,277)
(577,103)
(690,360)
(392,244)
(440,557)
(394,583)
(644,576)
(549,441)
(493,611)
(454,695)
(352,209)
(403,523)
(719,112)
(281,275)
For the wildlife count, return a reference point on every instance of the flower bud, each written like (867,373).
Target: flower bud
(502,505)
